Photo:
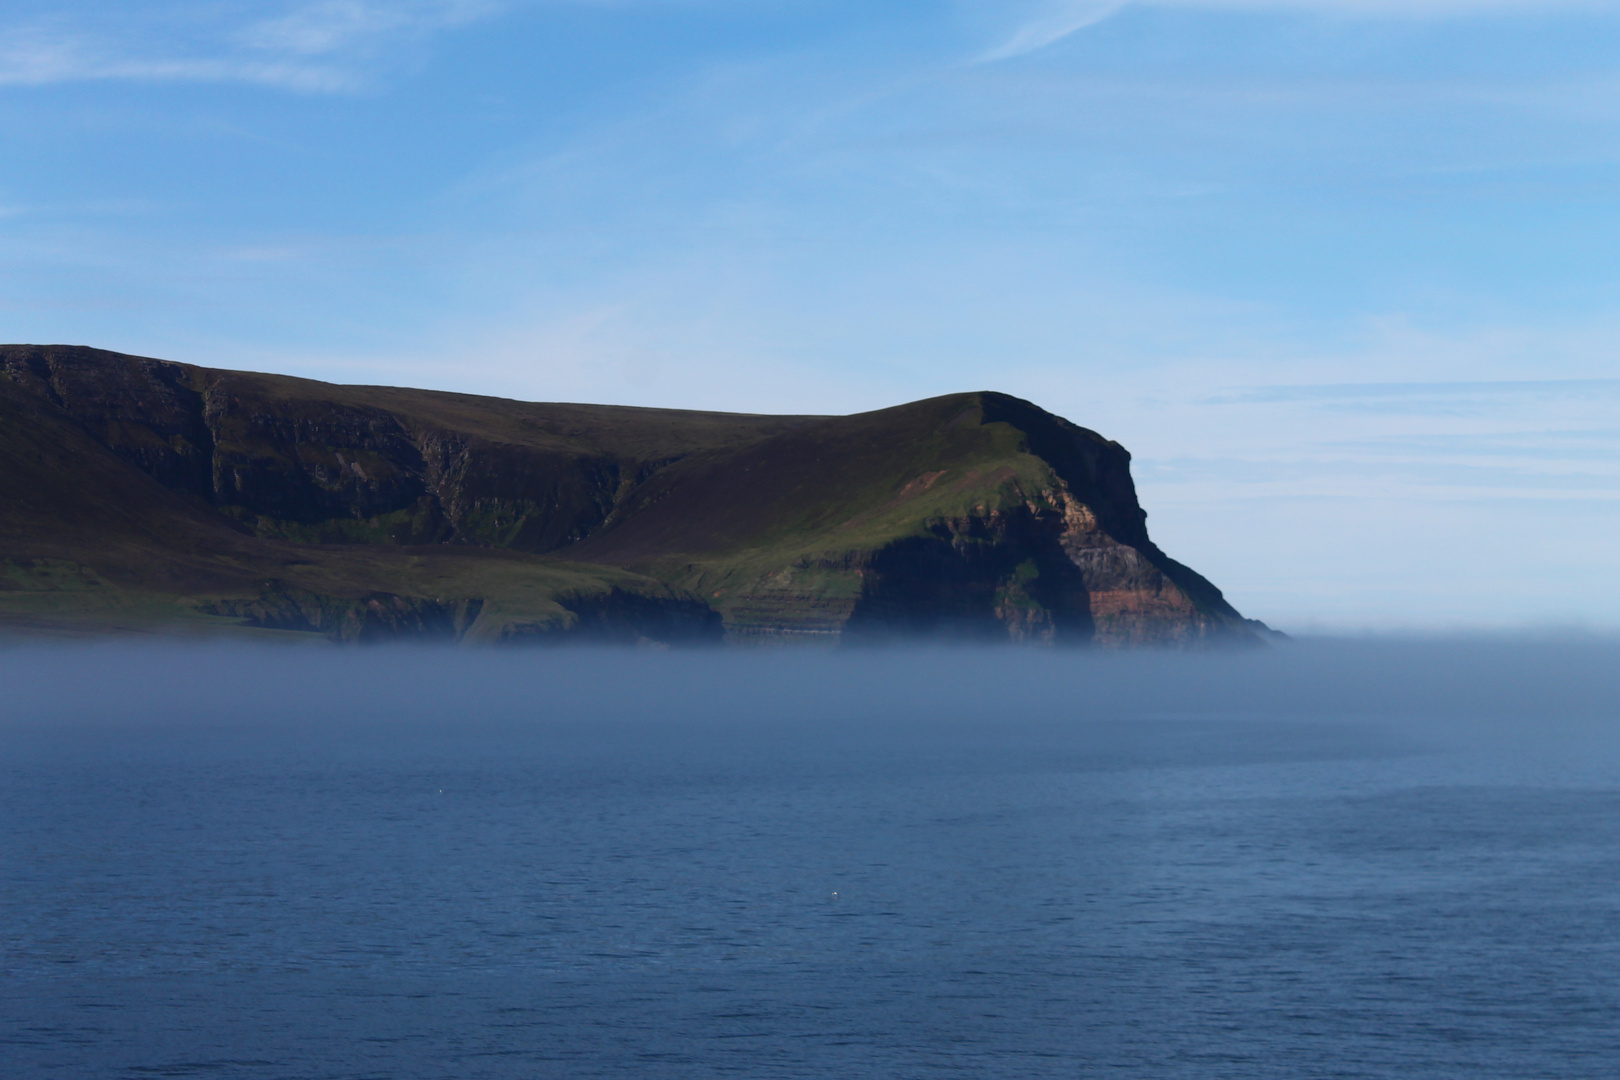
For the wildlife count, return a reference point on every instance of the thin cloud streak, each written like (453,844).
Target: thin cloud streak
(1052,27)
(1515,388)
(322,47)
(58,62)
(1391,8)
(1065,19)
(323,28)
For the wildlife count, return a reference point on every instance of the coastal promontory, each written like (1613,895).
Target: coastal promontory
(138,495)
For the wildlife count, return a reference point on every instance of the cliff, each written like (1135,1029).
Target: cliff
(138,492)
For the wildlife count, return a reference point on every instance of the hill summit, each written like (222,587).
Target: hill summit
(138,493)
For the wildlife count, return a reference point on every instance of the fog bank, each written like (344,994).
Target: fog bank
(1456,685)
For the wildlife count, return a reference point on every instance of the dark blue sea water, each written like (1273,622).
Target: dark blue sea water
(1374,860)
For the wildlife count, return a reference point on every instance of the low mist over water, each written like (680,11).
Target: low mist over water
(1321,859)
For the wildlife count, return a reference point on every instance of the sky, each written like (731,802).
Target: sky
(1343,275)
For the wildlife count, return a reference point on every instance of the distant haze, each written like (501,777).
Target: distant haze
(1341,274)
(1541,691)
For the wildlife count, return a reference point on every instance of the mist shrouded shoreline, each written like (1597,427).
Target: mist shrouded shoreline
(1323,859)
(1428,681)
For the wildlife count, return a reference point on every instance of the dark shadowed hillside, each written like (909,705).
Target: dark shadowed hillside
(140,493)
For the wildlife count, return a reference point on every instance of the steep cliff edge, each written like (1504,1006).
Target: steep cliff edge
(972,516)
(373,512)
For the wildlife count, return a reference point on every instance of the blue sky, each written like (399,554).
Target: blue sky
(1343,274)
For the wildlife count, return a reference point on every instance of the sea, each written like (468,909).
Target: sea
(1354,858)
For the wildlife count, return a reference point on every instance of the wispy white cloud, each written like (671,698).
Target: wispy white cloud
(1404,8)
(328,45)
(1060,19)
(1053,25)
(1396,396)
(37,63)
(334,25)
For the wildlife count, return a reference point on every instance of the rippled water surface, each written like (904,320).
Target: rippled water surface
(1362,862)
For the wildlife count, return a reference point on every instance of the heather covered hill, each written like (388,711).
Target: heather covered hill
(92,542)
(140,491)
(314,462)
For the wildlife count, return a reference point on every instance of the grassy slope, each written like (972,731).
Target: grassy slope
(313,462)
(779,534)
(617,430)
(635,439)
(770,530)
(89,543)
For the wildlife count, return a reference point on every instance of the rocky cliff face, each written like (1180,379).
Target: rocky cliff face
(1040,572)
(294,466)
(970,517)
